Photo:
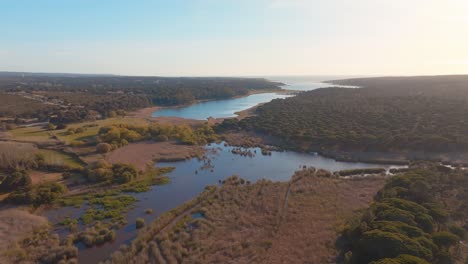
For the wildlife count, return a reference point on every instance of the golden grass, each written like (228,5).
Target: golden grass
(265,222)
(14,225)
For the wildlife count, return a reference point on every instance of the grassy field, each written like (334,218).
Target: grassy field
(31,134)
(54,157)
(41,134)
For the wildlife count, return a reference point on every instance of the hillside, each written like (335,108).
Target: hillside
(73,98)
(401,114)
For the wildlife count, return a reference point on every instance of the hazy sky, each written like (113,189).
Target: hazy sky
(235,37)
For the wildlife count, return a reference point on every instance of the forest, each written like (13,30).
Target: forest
(70,98)
(390,117)
(418,217)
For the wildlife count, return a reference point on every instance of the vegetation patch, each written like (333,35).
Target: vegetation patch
(417,216)
(265,222)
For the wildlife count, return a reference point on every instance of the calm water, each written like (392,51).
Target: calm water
(308,83)
(228,108)
(186,184)
(219,108)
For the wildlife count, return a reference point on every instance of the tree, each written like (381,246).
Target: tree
(140,222)
(123,173)
(19,179)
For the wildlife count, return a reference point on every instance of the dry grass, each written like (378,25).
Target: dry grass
(38,177)
(14,225)
(316,208)
(141,153)
(14,154)
(265,222)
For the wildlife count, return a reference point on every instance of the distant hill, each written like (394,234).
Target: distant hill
(43,74)
(74,97)
(454,86)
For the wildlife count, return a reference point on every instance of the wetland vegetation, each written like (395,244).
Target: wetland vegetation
(94,177)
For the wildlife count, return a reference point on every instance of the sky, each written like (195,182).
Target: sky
(235,37)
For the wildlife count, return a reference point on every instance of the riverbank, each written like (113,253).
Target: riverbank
(149,111)
(252,139)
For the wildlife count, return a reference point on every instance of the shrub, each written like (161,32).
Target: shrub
(51,126)
(123,173)
(19,179)
(444,239)
(70,131)
(103,147)
(45,193)
(402,259)
(140,222)
(459,231)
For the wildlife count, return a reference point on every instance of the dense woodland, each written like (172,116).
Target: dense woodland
(399,115)
(418,217)
(76,97)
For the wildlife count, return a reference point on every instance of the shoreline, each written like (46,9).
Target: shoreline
(252,139)
(148,111)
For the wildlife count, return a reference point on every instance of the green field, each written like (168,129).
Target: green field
(54,157)
(40,134)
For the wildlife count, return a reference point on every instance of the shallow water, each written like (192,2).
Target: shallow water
(189,179)
(219,108)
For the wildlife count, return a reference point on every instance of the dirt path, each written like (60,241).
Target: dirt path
(282,212)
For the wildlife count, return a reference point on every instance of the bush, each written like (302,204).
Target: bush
(140,222)
(101,171)
(402,259)
(445,239)
(70,131)
(459,231)
(51,126)
(19,179)
(123,173)
(45,193)
(103,147)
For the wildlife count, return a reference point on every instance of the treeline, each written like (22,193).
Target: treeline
(16,106)
(364,119)
(120,135)
(449,86)
(418,217)
(73,97)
